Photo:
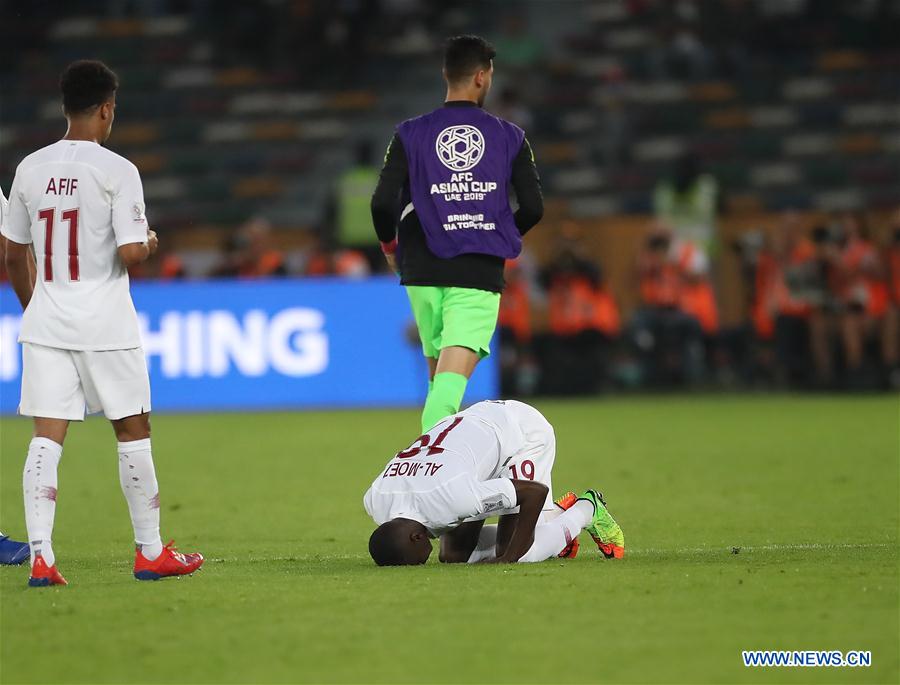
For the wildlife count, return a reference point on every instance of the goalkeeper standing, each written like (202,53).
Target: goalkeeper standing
(442,213)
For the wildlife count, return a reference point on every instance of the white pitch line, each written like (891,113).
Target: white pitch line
(760,548)
(646,551)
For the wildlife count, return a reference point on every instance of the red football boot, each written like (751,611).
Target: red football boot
(565,502)
(169,563)
(43,575)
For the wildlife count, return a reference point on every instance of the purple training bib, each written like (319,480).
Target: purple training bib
(460,161)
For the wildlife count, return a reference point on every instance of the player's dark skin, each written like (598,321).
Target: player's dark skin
(457,545)
(515,534)
(95,125)
(514,538)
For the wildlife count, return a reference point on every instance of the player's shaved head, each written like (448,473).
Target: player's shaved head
(400,542)
(465,55)
(85,85)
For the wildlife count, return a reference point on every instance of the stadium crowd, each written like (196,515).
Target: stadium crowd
(821,305)
(821,311)
(258,127)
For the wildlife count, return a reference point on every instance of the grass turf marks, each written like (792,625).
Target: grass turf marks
(805,488)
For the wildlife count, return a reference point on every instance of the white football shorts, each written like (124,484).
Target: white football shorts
(67,384)
(529,444)
(535,457)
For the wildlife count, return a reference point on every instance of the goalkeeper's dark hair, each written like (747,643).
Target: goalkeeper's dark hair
(86,84)
(464,55)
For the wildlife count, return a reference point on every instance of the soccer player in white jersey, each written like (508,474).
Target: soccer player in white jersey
(81,209)
(12,553)
(493,459)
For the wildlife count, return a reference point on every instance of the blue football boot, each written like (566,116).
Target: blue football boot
(12,553)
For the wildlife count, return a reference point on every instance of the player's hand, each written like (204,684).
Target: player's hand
(152,241)
(391,260)
(495,560)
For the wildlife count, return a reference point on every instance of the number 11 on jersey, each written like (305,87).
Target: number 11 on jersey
(70,216)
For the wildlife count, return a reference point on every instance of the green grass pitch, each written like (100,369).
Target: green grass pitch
(806,488)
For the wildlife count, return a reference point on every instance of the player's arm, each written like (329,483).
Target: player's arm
(32,266)
(506,526)
(527,185)
(132,254)
(134,239)
(386,198)
(530,498)
(20,267)
(18,257)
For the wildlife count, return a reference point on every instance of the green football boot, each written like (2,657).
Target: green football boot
(603,528)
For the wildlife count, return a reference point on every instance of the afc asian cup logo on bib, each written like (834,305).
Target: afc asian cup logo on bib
(459,147)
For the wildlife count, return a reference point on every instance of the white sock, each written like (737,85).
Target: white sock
(138,479)
(549,537)
(487,544)
(550,514)
(553,537)
(39,487)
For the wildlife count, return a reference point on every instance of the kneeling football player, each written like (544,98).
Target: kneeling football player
(493,459)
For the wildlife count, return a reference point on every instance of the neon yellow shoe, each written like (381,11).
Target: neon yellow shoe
(565,502)
(603,528)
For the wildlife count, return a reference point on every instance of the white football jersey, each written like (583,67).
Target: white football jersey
(459,470)
(77,202)
(3,205)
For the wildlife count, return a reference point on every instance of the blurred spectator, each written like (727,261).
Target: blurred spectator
(584,321)
(511,108)
(249,253)
(171,267)
(678,51)
(727,26)
(165,265)
(861,293)
(745,350)
(687,202)
(789,286)
(516,45)
(350,213)
(677,318)
(819,289)
(518,370)
(890,342)
(322,260)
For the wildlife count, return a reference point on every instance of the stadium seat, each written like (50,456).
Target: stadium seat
(824,115)
(731,174)
(258,187)
(859,144)
(135,134)
(827,172)
(713,91)
(841,60)
(808,144)
(760,144)
(731,118)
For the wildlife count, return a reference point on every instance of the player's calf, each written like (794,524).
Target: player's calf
(565,503)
